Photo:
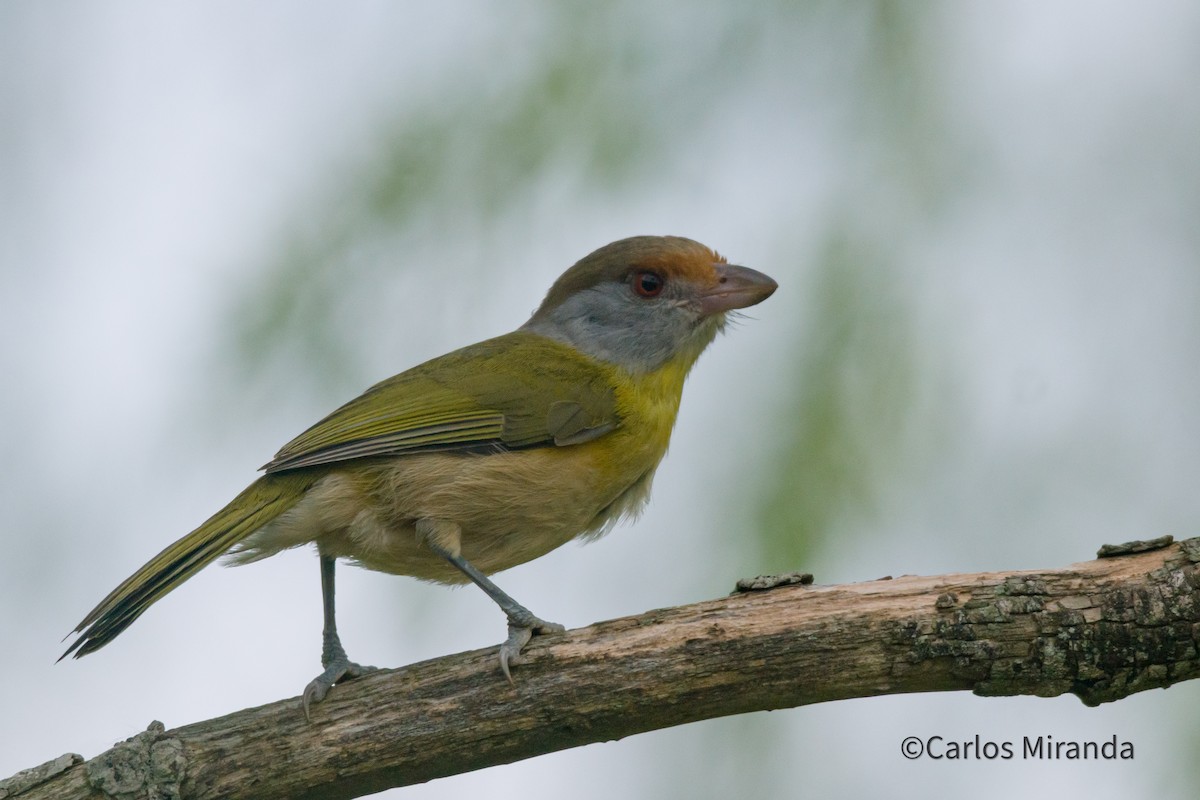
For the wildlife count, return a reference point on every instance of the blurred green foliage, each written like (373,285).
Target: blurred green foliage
(852,394)
(580,105)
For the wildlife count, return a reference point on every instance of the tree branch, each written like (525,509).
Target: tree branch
(1101,630)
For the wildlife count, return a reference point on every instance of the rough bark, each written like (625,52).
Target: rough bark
(1101,630)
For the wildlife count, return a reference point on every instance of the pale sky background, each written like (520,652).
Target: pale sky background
(1014,192)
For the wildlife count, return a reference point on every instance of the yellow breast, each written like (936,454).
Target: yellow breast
(511,506)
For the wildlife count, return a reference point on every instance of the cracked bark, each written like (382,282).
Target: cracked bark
(1100,630)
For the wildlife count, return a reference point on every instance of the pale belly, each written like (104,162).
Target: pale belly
(508,508)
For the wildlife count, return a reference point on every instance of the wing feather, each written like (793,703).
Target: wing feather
(468,400)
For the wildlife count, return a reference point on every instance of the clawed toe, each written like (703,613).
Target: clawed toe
(335,673)
(519,634)
(510,651)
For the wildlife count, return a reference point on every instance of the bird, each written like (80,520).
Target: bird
(481,459)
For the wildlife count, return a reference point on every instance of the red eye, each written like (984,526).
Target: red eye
(648,284)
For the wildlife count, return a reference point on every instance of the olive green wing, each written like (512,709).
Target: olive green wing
(516,391)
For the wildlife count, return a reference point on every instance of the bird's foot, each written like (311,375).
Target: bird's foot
(522,628)
(336,671)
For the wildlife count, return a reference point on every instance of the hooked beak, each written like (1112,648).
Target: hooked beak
(736,287)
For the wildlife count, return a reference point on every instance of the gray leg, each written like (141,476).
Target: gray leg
(333,657)
(522,624)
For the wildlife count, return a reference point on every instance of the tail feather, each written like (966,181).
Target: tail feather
(261,502)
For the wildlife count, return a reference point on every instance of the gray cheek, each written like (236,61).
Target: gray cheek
(610,326)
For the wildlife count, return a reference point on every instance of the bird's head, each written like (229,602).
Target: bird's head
(647,301)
